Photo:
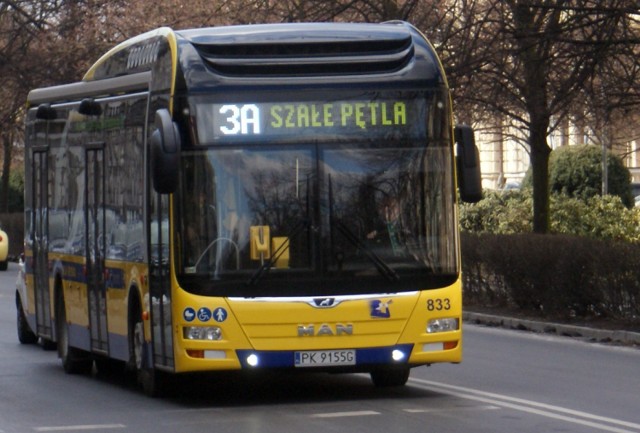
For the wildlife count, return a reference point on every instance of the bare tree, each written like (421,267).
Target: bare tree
(612,97)
(528,63)
(21,23)
(531,61)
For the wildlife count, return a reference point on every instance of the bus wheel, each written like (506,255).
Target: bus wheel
(48,344)
(151,380)
(25,334)
(107,367)
(74,361)
(388,377)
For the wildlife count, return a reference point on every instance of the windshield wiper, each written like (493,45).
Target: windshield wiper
(277,253)
(380,264)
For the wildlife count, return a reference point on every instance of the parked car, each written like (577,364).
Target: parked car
(4,250)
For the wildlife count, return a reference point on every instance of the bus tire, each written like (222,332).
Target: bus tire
(153,382)
(25,334)
(389,377)
(107,367)
(74,361)
(48,345)
(148,378)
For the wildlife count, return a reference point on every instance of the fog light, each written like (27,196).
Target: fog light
(207,333)
(432,347)
(397,355)
(442,325)
(253,360)
(215,354)
(437,347)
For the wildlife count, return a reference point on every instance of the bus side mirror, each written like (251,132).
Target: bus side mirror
(89,107)
(45,112)
(165,153)
(468,165)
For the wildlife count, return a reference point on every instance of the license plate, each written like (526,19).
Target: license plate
(325,358)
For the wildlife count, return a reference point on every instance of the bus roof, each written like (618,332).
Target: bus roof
(307,50)
(210,56)
(264,34)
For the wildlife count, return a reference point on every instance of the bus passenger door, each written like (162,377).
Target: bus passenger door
(95,248)
(160,281)
(41,243)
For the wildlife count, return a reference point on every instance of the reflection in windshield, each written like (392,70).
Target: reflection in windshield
(228,192)
(396,202)
(271,222)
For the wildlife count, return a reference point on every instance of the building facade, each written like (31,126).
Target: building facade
(504,151)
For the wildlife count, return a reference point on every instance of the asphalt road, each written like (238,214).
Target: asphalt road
(510,381)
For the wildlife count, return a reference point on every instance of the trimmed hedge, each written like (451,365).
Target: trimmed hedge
(552,275)
(510,212)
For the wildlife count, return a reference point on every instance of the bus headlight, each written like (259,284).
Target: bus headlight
(442,325)
(207,333)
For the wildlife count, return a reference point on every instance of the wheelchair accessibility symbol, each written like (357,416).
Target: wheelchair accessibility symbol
(204,314)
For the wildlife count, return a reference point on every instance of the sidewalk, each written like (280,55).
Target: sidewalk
(626,338)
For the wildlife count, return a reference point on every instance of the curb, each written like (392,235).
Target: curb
(591,334)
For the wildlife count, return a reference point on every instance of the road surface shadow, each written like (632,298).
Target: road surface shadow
(239,388)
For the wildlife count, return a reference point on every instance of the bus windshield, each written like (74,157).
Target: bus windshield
(346,210)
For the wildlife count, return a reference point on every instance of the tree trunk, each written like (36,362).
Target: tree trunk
(7,142)
(540,152)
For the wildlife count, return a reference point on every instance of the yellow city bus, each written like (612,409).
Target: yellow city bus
(248,197)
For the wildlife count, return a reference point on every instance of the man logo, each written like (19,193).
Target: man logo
(324,302)
(325,330)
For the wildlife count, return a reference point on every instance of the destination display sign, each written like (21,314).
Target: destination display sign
(263,120)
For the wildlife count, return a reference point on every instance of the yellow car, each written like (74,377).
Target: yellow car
(4,250)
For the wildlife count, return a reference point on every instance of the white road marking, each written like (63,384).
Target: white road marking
(453,409)
(81,427)
(345,414)
(529,406)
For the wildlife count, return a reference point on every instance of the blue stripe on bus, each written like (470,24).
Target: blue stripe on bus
(80,337)
(75,272)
